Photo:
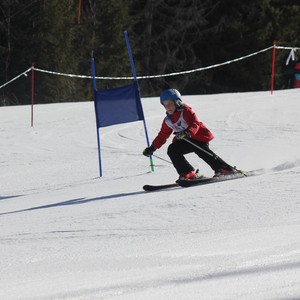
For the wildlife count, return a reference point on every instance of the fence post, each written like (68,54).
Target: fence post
(32,93)
(273,67)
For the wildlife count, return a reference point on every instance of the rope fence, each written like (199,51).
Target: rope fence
(8,82)
(274,48)
(153,76)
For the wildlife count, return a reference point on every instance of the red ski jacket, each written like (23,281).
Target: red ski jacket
(180,120)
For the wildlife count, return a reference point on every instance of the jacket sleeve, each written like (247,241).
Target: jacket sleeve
(197,129)
(192,120)
(162,136)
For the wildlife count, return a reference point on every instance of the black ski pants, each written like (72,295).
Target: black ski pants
(179,148)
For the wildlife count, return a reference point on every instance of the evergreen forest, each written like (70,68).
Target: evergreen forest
(166,36)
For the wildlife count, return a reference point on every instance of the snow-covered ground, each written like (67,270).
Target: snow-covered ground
(65,233)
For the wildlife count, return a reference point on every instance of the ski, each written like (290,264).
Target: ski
(151,188)
(193,182)
(202,181)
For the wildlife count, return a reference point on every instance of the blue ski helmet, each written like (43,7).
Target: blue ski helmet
(171,94)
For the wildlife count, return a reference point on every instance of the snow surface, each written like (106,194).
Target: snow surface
(68,234)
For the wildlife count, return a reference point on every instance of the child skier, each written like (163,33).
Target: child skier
(185,124)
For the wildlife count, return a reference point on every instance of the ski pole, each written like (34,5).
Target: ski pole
(213,155)
(161,159)
(203,150)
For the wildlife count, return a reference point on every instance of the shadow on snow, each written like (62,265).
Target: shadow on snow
(74,202)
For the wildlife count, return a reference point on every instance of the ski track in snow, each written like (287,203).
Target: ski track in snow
(67,234)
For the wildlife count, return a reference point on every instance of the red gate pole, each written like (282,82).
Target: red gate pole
(273,67)
(32,93)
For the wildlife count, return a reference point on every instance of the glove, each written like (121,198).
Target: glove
(149,151)
(183,135)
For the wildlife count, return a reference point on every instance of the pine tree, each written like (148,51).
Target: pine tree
(101,33)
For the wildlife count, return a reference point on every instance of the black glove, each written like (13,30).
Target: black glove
(183,135)
(149,151)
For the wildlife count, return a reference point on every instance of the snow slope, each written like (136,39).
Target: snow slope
(65,233)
